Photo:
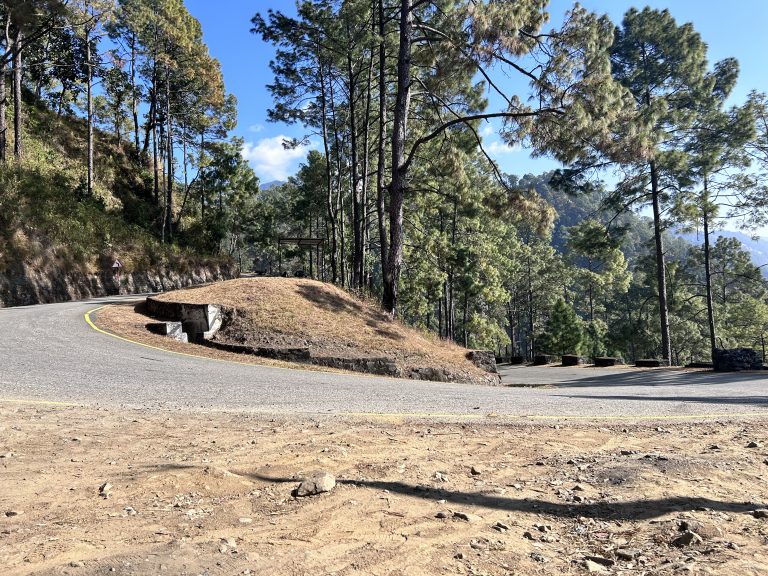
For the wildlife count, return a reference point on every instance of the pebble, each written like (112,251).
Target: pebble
(467,517)
(475,471)
(760,513)
(130,511)
(500,526)
(753,444)
(245,520)
(603,561)
(12,513)
(687,539)
(443,514)
(594,568)
(104,489)
(627,553)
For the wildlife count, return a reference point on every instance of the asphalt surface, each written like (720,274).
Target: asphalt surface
(49,354)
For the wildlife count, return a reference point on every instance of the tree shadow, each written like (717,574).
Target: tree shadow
(645,378)
(734,400)
(644,509)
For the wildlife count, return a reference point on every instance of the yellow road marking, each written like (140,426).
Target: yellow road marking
(167,351)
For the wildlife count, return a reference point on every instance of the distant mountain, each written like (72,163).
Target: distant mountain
(757,248)
(271,184)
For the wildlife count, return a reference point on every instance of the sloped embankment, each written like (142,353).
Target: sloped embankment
(312,322)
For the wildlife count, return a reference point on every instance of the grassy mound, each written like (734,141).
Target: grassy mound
(296,313)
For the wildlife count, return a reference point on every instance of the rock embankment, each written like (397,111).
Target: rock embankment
(28,285)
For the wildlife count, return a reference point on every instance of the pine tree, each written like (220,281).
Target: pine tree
(563,332)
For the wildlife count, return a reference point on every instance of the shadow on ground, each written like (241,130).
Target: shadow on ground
(557,377)
(627,510)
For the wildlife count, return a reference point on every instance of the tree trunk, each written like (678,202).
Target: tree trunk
(355,176)
(661,268)
(328,182)
(399,169)
(18,150)
(380,207)
(708,275)
(89,103)
(3,122)
(169,158)
(134,99)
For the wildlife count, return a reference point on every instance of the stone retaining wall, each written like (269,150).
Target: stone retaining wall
(29,285)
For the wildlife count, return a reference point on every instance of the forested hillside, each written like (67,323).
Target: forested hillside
(115,143)
(414,210)
(113,146)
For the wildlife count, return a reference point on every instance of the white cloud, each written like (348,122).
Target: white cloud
(499,147)
(270,160)
(255,127)
(487,130)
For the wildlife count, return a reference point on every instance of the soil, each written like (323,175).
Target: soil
(211,493)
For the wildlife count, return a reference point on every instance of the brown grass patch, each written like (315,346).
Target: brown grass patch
(293,312)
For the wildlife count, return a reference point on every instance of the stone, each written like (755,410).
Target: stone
(703,529)
(475,471)
(686,539)
(130,511)
(571,360)
(316,483)
(245,520)
(594,568)
(467,517)
(12,513)
(105,489)
(760,513)
(542,359)
(483,359)
(600,560)
(478,544)
(605,361)
(500,527)
(737,359)
(627,553)
(443,514)
(648,363)
(753,444)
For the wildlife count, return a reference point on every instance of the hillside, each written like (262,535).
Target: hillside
(59,243)
(277,315)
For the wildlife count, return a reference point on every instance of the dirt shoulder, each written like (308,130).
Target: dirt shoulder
(196,493)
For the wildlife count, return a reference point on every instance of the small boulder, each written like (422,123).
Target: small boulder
(316,483)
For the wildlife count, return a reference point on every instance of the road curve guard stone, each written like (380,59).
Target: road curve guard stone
(199,321)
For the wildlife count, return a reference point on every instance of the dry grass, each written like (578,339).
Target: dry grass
(328,320)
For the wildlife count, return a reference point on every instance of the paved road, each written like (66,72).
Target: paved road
(49,353)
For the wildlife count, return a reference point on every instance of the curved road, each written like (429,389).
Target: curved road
(48,353)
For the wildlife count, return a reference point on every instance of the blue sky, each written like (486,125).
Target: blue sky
(734,29)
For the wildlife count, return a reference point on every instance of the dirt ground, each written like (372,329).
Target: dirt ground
(211,493)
